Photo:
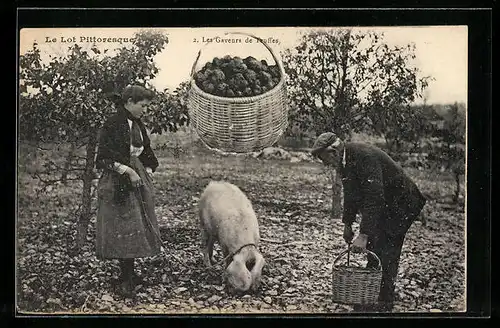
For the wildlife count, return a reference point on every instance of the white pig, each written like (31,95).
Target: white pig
(227,216)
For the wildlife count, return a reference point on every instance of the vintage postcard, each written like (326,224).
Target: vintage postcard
(286,170)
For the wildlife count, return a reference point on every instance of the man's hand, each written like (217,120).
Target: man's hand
(348,233)
(149,171)
(359,244)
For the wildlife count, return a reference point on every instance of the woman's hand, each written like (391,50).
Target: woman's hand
(359,244)
(135,179)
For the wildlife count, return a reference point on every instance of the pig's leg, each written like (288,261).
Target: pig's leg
(207,245)
(208,249)
(207,239)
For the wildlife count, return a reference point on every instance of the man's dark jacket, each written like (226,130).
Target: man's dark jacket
(114,146)
(377,187)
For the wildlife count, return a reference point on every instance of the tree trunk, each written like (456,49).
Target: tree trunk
(88,176)
(457,190)
(67,164)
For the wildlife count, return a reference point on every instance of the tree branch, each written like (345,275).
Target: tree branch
(310,103)
(48,182)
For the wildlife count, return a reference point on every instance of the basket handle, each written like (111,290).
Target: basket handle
(348,253)
(367,251)
(278,62)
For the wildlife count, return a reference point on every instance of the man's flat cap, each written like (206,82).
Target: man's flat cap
(323,141)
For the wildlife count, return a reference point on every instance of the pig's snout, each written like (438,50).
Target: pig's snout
(238,277)
(244,274)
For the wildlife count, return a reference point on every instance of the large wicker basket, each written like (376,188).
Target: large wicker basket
(242,124)
(355,285)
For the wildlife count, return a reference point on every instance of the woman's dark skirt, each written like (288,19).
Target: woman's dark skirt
(123,231)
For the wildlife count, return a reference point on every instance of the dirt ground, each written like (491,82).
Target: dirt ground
(292,201)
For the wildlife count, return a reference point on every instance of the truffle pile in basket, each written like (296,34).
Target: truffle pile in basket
(236,77)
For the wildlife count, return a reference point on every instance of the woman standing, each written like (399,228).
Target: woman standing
(127,227)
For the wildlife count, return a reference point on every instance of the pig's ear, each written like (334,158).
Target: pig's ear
(257,270)
(259,262)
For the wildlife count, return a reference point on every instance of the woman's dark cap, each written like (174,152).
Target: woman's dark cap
(136,93)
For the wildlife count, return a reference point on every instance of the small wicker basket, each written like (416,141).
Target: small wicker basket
(241,124)
(356,285)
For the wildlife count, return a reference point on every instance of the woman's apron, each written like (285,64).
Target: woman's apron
(122,230)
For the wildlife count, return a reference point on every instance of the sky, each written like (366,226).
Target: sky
(441,51)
